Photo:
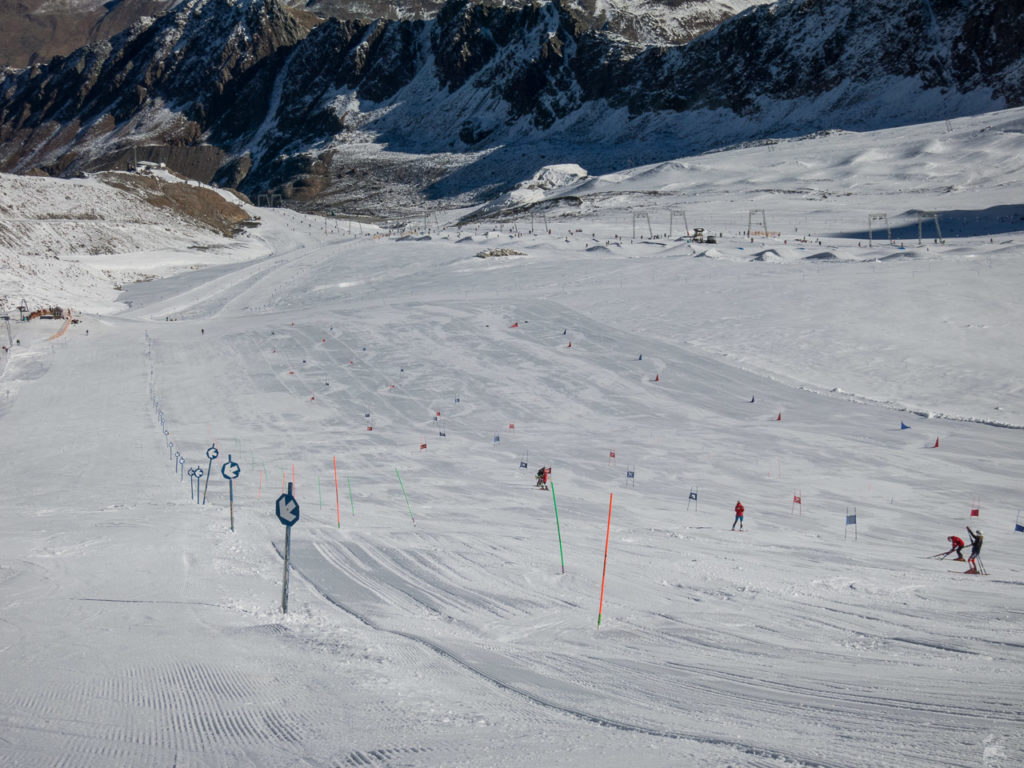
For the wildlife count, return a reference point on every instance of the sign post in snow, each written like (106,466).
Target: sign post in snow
(230,471)
(211,454)
(287,510)
(199,476)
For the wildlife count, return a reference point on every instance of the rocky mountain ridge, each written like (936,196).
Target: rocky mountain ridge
(37,30)
(368,116)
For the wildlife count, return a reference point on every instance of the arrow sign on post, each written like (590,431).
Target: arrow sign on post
(231,471)
(287,509)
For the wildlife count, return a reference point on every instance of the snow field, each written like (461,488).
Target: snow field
(137,629)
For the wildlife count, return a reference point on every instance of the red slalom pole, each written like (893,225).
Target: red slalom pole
(337,499)
(604,569)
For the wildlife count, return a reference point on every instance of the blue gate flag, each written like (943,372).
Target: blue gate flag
(1018,528)
(693,495)
(851,519)
(903,426)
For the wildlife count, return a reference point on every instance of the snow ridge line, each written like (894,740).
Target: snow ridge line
(749,749)
(853,397)
(863,400)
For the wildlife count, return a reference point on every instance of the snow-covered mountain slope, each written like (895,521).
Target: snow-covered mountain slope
(442,611)
(78,242)
(381,115)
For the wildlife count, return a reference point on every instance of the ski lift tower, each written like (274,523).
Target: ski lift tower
(750,223)
(7,319)
(642,215)
(671,216)
(934,216)
(872,218)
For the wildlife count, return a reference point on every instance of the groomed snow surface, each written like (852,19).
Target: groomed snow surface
(430,622)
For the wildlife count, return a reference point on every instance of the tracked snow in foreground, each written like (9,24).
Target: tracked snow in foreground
(430,620)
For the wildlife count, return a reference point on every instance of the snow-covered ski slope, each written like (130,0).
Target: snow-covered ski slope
(430,622)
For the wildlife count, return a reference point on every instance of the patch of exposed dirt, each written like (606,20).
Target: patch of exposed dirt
(192,201)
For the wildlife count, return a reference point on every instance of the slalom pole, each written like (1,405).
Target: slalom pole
(406,496)
(337,498)
(350,499)
(319,492)
(558,526)
(604,568)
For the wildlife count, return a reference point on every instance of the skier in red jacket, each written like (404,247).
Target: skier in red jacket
(739,515)
(956,544)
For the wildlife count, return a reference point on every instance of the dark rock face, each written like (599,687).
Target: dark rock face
(306,108)
(34,31)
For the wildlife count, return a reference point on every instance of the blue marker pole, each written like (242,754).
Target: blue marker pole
(199,476)
(211,454)
(230,471)
(288,513)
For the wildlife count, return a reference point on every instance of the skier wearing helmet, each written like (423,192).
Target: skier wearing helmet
(976,541)
(956,544)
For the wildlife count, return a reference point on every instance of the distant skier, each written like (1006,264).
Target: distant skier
(739,515)
(956,544)
(976,541)
(542,477)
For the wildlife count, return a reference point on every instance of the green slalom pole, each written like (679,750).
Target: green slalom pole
(350,499)
(558,527)
(406,496)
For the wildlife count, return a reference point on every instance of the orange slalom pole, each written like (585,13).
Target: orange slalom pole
(604,570)
(337,498)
